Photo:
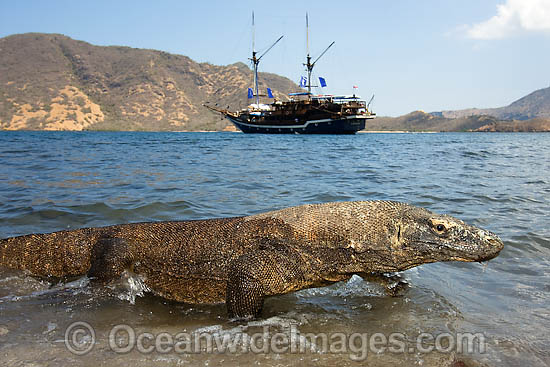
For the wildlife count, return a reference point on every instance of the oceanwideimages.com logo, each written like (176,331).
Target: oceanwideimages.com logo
(80,339)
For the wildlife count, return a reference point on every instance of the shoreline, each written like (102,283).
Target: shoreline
(395,132)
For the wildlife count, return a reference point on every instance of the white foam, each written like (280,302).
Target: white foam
(134,287)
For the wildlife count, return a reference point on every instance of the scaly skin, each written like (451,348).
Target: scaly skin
(242,260)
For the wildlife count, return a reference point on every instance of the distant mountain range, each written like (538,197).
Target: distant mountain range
(530,113)
(52,82)
(420,121)
(534,105)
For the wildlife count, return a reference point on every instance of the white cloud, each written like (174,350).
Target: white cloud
(513,17)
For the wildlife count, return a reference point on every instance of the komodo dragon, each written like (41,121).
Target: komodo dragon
(242,260)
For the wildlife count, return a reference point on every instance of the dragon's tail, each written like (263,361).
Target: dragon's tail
(57,254)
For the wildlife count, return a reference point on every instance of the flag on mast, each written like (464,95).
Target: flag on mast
(303,82)
(250,93)
(269,93)
(323,82)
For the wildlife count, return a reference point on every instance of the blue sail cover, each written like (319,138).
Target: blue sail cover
(250,93)
(269,93)
(323,82)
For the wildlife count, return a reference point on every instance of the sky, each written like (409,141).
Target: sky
(428,55)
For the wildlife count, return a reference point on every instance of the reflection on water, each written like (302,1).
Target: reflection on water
(54,181)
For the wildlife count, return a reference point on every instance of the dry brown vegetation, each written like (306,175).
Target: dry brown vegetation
(52,82)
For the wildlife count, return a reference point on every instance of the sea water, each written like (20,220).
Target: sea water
(52,181)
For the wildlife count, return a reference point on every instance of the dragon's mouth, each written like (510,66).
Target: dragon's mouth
(489,252)
(471,260)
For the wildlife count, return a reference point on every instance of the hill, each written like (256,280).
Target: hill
(533,125)
(534,105)
(52,82)
(422,121)
(530,113)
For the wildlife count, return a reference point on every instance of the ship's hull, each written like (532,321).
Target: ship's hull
(347,125)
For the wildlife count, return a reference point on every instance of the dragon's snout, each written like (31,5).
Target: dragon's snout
(494,245)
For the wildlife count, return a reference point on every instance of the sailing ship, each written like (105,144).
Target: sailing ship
(304,112)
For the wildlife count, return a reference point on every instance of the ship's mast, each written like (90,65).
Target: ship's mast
(256,60)
(309,65)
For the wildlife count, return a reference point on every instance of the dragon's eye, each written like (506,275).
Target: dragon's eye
(439,227)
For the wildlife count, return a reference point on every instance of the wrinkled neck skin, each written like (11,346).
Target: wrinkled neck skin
(389,237)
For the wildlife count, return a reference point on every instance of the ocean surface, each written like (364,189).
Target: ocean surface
(52,181)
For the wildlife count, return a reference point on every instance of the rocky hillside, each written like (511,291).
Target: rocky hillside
(52,82)
(534,105)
